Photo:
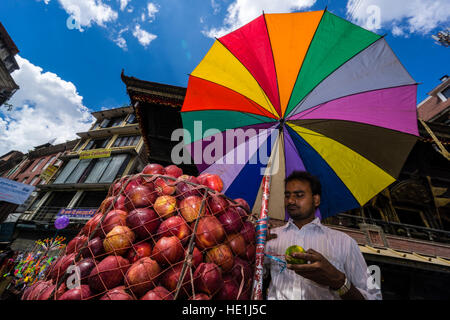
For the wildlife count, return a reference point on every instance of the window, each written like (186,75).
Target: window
(33,182)
(131,118)
(38,164)
(36,201)
(101,170)
(48,163)
(116,121)
(126,141)
(115,168)
(76,174)
(55,202)
(91,199)
(97,144)
(67,170)
(446,92)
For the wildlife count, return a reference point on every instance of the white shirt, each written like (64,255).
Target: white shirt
(338,248)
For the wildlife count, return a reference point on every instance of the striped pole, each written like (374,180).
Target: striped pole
(261,233)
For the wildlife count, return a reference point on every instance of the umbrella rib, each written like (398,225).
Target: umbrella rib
(314,108)
(299,70)
(253,102)
(338,67)
(272,108)
(274,65)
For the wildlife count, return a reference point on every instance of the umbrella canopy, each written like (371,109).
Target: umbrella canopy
(303,91)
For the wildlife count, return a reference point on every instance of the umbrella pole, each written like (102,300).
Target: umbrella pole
(261,232)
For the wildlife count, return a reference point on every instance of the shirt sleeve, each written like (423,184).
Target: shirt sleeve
(357,272)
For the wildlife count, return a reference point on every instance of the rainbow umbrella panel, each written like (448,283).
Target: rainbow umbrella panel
(316,92)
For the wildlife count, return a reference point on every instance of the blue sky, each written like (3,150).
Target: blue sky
(66,72)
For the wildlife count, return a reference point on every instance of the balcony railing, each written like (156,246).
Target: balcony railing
(393,228)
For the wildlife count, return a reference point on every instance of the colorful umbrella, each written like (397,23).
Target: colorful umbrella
(318,93)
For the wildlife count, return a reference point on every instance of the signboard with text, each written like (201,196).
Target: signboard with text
(14,192)
(48,173)
(99,153)
(77,213)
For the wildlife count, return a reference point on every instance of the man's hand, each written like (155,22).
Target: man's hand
(319,270)
(270,236)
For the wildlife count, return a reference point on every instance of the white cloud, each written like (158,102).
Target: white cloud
(402,17)
(241,12)
(87,12)
(216,6)
(120,40)
(123,4)
(152,10)
(143,36)
(45,107)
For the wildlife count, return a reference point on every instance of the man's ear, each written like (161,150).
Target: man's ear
(316,199)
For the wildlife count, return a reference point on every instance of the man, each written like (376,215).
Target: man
(335,267)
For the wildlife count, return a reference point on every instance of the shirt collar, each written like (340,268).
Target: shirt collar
(314,223)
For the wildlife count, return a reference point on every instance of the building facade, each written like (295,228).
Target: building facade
(110,149)
(8,64)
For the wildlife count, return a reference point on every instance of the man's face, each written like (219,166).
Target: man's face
(299,200)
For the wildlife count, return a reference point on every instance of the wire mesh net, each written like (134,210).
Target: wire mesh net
(158,236)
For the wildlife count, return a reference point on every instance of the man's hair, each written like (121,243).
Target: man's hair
(314,182)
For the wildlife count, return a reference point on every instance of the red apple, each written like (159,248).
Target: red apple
(132,183)
(140,197)
(81,293)
(85,266)
(209,232)
(165,206)
(164,187)
(242,213)
(173,171)
(38,289)
(229,290)
(242,203)
(94,248)
(120,203)
(175,226)
(200,296)
(202,178)
(207,278)
(158,293)
(154,168)
(108,274)
(231,220)
(114,218)
(197,257)
(184,190)
(138,251)
(168,250)
(117,293)
(143,222)
(172,276)
(250,253)
(249,232)
(213,182)
(90,226)
(217,204)
(222,256)
(242,272)
(142,275)
(237,244)
(61,266)
(191,208)
(118,240)
(76,244)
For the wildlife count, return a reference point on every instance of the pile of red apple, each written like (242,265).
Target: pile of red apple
(137,244)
